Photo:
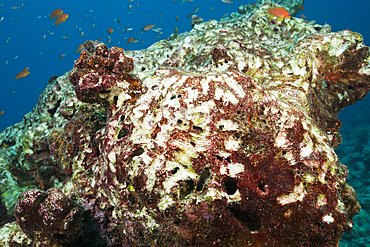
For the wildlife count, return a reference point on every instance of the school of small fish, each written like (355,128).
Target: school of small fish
(132,37)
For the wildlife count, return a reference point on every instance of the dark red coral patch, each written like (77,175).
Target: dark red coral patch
(99,69)
(49,214)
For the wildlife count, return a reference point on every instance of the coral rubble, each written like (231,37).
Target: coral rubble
(223,136)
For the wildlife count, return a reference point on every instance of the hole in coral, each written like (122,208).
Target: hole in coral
(175,170)
(142,68)
(192,143)
(231,186)
(173,97)
(115,100)
(59,236)
(228,159)
(186,188)
(138,152)
(238,112)
(123,133)
(179,121)
(54,109)
(250,220)
(237,135)
(206,173)
(122,118)
(219,158)
(198,129)
(262,186)
(283,152)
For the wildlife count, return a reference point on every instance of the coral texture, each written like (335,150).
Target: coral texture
(49,214)
(223,136)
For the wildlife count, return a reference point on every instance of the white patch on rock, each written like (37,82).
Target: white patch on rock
(232,169)
(227,124)
(328,219)
(231,144)
(297,195)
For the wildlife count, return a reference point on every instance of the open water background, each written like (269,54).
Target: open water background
(22,31)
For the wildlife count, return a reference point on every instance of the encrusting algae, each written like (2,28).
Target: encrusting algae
(222,136)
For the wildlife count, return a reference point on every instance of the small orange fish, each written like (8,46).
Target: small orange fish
(56,13)
(22,74)
(148,27)
(177,18)
(129,40)
(303,16)
(12,92)
(302,8)
(62,18)
(253,5)
(1,113)
(279,12)
(110,30)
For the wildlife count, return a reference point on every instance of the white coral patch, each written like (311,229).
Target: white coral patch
(282,140)
(165,202)
(232,169)
(192,95)
(297,195)
(227,124)
(231,144)
(306,152)
(321,201)
(328,219)
(232,83)
(226,96)
(301,71)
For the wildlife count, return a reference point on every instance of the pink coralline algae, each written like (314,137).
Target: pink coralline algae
(49,214)
(223,136)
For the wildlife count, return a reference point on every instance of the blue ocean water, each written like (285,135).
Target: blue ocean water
(22,31)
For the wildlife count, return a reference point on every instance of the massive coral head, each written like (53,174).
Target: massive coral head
(99,70)
(49,214)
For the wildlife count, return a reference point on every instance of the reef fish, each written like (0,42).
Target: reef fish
(17,7)
(148,27)
(226,1)
(279,12)
(79,48)
(56,13)
(110,30)
(22,74)
(62,18)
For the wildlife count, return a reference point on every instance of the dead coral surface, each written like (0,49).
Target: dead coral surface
(221,136)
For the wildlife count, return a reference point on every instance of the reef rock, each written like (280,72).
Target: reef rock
(223,136)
